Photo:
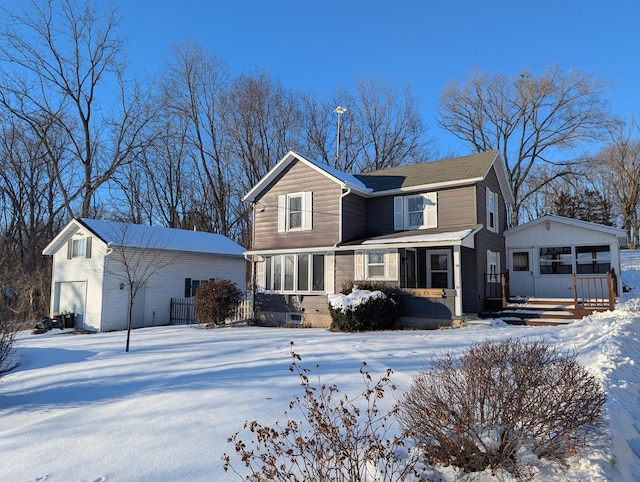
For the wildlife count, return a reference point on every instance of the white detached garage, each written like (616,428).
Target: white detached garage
(96,262)
(544,254)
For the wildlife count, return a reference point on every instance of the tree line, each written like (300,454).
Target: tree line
(82,136)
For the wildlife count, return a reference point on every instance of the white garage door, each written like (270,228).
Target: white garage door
(72,296)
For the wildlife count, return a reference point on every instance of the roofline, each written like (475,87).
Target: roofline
(427,187)
(70,227)
(621,234)
(282,164)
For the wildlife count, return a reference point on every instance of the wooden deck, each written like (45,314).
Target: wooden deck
(590,294)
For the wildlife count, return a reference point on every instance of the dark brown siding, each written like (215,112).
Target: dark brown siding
(485,239)
(380,214)
(456,207)
(298,177)
(353,217)
(344,268)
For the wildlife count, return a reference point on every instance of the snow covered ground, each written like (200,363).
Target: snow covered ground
(78,408)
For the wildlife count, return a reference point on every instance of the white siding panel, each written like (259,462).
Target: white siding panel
(557,235)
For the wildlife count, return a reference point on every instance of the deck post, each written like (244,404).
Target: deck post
(575,290)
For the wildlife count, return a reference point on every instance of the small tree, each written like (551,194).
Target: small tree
(479,410)
(337,437)
(216,300)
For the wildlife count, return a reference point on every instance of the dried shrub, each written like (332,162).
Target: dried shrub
(215,301)
(479,410)
(8,331)
(374,313)
(333,437)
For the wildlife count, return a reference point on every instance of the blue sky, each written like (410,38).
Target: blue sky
(319,45)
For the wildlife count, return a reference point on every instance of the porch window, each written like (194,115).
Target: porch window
(377,264)
(556,260)
(294,273)
(593,259)
(520,261)
(439,269)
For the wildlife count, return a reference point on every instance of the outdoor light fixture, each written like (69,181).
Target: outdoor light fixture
(121,286)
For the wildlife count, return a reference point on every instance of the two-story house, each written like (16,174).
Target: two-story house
(435,230)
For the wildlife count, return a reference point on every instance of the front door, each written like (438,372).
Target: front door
(410,280)
(521,280)
(439,273)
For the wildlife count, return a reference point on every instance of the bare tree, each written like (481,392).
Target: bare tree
(532,121)
(616,169)
(54,57)
(135,256)
(381,128)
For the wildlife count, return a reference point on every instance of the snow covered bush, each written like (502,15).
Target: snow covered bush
(326,437)
(363,306)
(215,301)
(480,410)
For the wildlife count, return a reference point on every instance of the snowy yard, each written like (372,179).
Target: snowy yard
(78,408)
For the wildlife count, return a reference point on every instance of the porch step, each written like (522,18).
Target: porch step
(538,311)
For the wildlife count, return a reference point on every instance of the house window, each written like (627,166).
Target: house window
(520,261)
(375,265)
(439,269)
(79,248)
(378,264)
(416,212)
(191,285)
(593,259)
(492,211)
(295,211)
(493,267)
(295,273)
(556,260)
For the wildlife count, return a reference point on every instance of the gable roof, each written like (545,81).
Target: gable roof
(344,179)
(621,234)
(450,172)
(140,236)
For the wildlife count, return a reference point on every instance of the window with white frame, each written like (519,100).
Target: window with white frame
(556,260)
(493,267)
(439,274)
(417,211)
(492,211)
(295,211)
(376,264)
(79,248)
(294,273)
(593,259)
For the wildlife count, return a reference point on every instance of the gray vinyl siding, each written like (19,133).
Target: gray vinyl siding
(344,268)
(485,239)
(298,177)
(456,207)
(380,215)
(353,217)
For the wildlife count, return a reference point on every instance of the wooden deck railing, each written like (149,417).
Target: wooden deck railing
(595,291)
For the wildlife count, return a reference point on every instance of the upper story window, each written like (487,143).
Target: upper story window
(295,211)
(415,212)
(79,248)
(492,211)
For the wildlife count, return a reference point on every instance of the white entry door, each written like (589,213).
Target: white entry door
(521,273)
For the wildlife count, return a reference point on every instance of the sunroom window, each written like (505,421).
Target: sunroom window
(295,273)
(556,260)
(593,259)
